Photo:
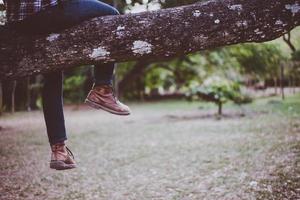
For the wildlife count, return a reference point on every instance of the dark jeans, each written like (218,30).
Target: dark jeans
(54,19)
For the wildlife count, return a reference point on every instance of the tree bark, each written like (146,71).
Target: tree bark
(282,81)
(154,35)
(287,40)
(13,99)
(220,111)
(28,94)
(1,99)
(275,85)
(293,85)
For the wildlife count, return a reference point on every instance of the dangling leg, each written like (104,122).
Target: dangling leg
(55,19)
(52,96)
(102,94)
(53,107)
(103,74)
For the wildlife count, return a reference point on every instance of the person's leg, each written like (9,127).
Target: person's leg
(55,19)
(68,14)
(103,74)
(61,158)
(52,100)
(102,94)
(75,11)
(53,107)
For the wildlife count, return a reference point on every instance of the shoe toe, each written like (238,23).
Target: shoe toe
(125,108)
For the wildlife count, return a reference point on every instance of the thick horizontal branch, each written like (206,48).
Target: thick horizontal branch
(149,35)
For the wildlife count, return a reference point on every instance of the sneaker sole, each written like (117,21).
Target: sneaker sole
(60,165)
(97,106)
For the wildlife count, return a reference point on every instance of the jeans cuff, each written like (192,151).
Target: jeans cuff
(104,82)
(60,140)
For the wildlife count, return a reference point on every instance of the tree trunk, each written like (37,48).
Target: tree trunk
(282,81)
(13,93)
(132,76)
(153,35)
(1,98)
(294,85)
(275,85)
(220,111)
(287,40)
(28,99)
(289,83)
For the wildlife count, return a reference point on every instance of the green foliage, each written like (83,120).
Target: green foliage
(132,88)
(123,69)
(296,56)
(158,77)
(74,84)
(73,88)
(258,60)
(219,91)
(176,75)
(236,63)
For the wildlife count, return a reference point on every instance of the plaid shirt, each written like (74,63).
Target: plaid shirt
(17,10)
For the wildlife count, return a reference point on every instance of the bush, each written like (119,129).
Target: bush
(219,90)
(73,89)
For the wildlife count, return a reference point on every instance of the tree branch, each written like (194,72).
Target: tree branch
(287,40)
(151,35)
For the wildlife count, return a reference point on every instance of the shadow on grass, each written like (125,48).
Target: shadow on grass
(285,181)
(228,115)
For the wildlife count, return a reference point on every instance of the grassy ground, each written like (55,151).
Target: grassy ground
(166,150)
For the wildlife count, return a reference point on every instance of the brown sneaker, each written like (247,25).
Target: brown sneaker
(102,97)
(61,158)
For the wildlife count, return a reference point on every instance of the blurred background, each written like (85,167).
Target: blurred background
(232,73)
(216,124)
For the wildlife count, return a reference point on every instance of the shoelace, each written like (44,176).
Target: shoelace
(70,152)
(113,93)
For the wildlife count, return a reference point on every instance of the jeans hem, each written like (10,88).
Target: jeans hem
(52,142)
(98,83)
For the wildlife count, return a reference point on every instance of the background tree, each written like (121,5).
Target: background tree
(144,79)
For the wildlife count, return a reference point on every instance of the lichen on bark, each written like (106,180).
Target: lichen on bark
(150,36)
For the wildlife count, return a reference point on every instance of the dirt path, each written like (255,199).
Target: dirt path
(149,155)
